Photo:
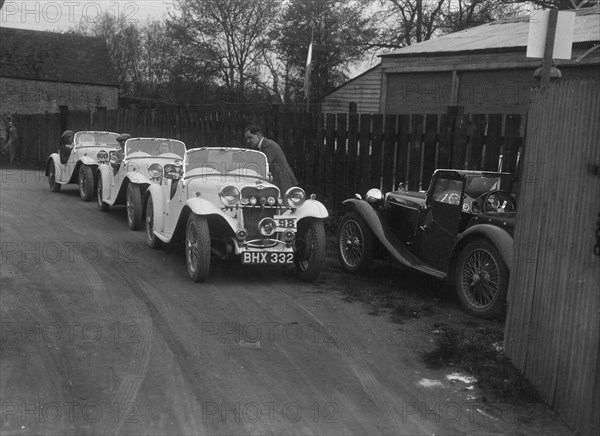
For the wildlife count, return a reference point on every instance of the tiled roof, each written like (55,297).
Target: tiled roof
(59,57)
(502,34)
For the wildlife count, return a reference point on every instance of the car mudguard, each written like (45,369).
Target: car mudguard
(87,160)
(55,158)
(138,178)
(393,245)
(203,207)
(155,191)
(103,172)
(503,241)
(310,209)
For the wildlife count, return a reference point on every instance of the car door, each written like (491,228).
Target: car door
(440,222)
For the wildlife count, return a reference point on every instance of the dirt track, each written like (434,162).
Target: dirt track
(102,335)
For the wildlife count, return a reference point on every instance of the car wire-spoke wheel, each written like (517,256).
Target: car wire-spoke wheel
(54,186)
(310,249)
(355,243)
(86,183)
(134,207)
(197,248)
(482,279)
(151,239)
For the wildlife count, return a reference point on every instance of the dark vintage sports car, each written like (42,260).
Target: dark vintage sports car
(460,231)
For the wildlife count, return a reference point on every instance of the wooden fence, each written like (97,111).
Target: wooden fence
(332,155)
(553,321)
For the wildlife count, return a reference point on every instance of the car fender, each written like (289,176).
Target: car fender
(87,160)
(156,193)
(503,241)
(387,238)
(203,207)
(103,172)
(54,158)
(138,178)
(310,209)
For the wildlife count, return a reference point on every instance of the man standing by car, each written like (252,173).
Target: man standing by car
(283,176)
(66,146)
(120,153)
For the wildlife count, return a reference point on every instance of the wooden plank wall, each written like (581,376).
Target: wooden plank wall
(553,321)
(332,155)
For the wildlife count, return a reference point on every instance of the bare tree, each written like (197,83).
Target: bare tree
(225,35)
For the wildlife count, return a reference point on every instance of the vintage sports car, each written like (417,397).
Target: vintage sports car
(460,230)
(126,177)
(90,149)
(222,203)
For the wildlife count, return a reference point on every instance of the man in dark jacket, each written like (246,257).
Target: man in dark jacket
(283,176)
(66,146)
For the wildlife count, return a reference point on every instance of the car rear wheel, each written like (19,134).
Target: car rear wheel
(134,207)
(482,279)
(310,249)
(355,243)
(101,204)
(54,187)
(197,248)
(86,183)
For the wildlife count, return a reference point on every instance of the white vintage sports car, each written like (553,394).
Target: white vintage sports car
(127,175)
(90,149)
(222,203)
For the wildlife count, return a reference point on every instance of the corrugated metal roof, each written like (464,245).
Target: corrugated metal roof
(507,33)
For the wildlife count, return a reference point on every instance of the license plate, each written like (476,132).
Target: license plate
(264,258)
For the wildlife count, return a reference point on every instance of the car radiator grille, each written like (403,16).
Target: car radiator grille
(253,215)
(254,191)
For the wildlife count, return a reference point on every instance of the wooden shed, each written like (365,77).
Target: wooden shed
(483,69)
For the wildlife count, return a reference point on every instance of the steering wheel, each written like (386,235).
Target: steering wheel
(498,201)
(454,199)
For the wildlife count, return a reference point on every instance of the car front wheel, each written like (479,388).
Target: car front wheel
(355,243)
(482,279)
(134,207)
(197,248)
(86,183)
(101,204)
(310,250)
(54,187)
(151,239)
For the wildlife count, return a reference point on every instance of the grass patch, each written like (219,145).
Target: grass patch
(479,352)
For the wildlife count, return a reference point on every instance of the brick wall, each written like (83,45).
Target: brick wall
(30,96)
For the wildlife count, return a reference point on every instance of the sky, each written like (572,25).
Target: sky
(61,15)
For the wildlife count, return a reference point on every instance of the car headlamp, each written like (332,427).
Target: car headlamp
(294,197)
(252,201)
(271,201)
(267,226)
(229,195)
(155,170)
